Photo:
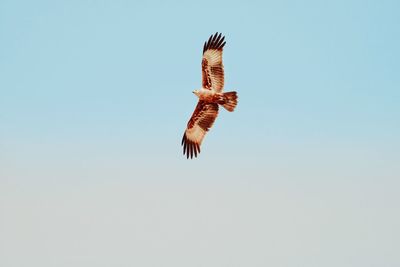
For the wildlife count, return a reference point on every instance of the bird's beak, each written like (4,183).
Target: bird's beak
(193,92)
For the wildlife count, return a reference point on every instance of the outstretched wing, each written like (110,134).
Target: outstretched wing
(211,65)
(201,121)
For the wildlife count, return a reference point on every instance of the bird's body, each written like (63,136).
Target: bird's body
(210,96)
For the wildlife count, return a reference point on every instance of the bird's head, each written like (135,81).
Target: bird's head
(196,92)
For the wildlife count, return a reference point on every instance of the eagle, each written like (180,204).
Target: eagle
(210,96)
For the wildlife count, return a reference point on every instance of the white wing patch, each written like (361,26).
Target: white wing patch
(213,56)
(196,134)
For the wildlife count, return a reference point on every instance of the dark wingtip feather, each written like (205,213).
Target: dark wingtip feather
(195,150)
(190,148)
(214,38)
(222,45)
(214,42)
(220,41)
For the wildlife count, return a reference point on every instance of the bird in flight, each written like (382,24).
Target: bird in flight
(210,96)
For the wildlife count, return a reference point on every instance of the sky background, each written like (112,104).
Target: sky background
(94,99)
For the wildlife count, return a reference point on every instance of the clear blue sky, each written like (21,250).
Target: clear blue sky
(94,98)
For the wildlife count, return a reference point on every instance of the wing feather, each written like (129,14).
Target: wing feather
(212,67)
(201,121)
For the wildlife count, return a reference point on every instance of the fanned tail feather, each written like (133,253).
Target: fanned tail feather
(230,101)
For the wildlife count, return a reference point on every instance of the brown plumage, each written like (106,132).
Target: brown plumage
(210,96)
(211,65)
(201,121)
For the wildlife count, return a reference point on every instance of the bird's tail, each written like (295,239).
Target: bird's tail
(230,101)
